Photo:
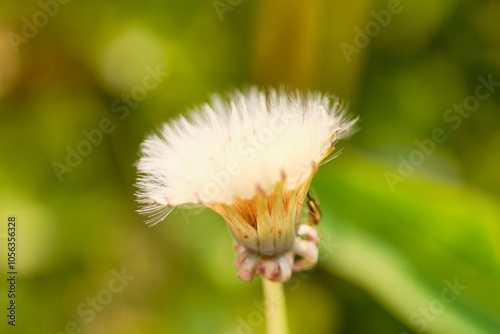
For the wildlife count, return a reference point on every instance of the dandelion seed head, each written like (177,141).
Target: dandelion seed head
(238,143)
(249,156)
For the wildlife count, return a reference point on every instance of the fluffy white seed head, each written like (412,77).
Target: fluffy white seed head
(238,145)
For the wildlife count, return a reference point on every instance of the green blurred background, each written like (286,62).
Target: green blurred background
(391,240)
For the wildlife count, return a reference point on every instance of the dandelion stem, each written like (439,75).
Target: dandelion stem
(274,298)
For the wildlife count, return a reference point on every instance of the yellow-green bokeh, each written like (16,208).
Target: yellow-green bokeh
(391,241)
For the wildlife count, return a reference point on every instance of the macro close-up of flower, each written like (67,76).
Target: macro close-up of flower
(250,167)
(250,157)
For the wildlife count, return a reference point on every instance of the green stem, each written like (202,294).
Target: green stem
(274,298)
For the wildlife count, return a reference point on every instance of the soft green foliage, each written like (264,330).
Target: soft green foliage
(387,249)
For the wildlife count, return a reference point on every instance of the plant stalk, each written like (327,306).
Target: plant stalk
(274,299)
